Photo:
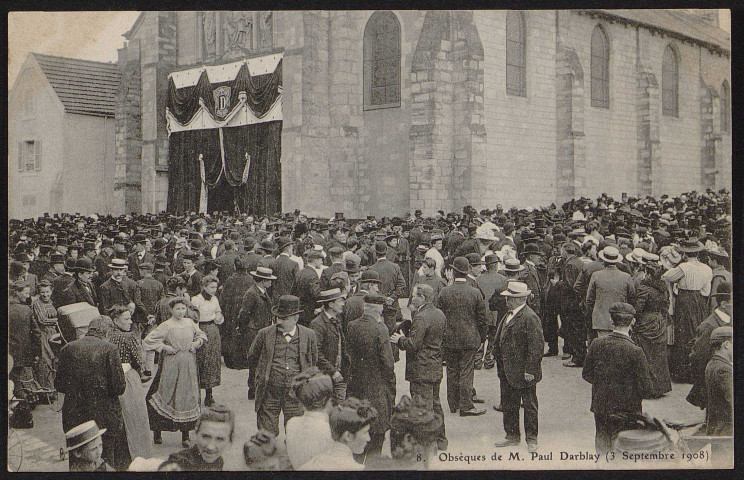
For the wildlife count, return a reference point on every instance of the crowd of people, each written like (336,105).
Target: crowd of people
(640,290)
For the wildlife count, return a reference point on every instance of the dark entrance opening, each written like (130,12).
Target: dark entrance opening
(221,198)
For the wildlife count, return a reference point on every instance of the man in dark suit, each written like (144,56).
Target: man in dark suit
(122,290)
(519,353)
(392,286)
(423,345)
(278,354)
(231,300)
(64,280)
(368,283)
(226,261)
(151,292)
(372,371)
(618,371)
(337,265)
(102,260)
(285,269)
(307,287)
(333,357)
(467,321)
(254,314)
(191,275)
(89,373)
(139,256)
(573,325)
(719,383)
(81,290)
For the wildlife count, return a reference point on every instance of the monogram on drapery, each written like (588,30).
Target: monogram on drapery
(224,125)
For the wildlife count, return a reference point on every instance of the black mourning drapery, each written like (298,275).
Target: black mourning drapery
(262,92)
(261,194)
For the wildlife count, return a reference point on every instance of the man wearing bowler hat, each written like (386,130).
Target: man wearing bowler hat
(254,314)
(618,371)
(122,290)
(278,354)
(81,290)
(519,351)
(465,329)
(285,269)
(369,283)
(139,256)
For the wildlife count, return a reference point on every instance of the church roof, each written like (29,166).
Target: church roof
(84,87)
(676,23)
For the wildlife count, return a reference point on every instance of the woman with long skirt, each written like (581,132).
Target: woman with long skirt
(173,401)
(650,329)
(45,317)
(208,358)
(133,405)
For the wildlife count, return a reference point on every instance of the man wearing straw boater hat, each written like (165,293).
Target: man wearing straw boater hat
(254,314)
(693,279)
(608,286)
(122,290)
(278,354)
(333,359)
(84,447)
(519,352)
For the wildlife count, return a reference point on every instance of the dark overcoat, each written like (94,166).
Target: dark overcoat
(618,371)
(423,345)
(285,271)
(261,355)
(77,293)
(699,356)
(254,314)
(372,372)
(519,348)
(307,288)
(330,334)
(467,316)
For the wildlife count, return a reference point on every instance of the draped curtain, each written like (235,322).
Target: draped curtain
(224,149)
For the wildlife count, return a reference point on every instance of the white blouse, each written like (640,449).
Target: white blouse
(209,310)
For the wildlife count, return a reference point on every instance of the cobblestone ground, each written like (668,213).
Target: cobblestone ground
(565,423)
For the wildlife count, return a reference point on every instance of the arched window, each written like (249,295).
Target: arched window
(382,61)
(516,71)
(600,66)
(669,83)
(725,107)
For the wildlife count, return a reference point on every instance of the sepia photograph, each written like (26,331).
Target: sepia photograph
(345,240)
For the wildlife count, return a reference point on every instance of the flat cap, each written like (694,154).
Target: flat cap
(374,299)
(722,333)
(622,308)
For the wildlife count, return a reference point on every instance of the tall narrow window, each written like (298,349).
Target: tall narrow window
(669,83)
(516,71)
(725,108)
(382,61)
(600,68)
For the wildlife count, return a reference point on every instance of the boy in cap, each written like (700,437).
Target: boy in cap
(619,373)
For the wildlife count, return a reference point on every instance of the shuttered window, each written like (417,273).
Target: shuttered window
(516,65)
(600,66)
(382,61)
(725,107)
(29,156)
(669,83)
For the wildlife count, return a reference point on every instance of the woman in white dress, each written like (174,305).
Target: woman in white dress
(350,431)
(208,359)
(173,399)
(133,406)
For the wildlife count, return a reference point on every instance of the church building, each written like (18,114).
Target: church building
(384,112)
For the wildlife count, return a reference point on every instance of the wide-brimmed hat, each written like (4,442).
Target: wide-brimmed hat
(282,242)
(691,245)
(84,264)
(287,306)
(84,433)
(118,264)
(516,289)
(717,251)
(610,254)
(513,265)
(330,295)
(264,273)
(474,259)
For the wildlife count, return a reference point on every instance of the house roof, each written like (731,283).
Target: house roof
(83,86)
(676,23)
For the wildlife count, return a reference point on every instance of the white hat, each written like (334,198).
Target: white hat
(516,289)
